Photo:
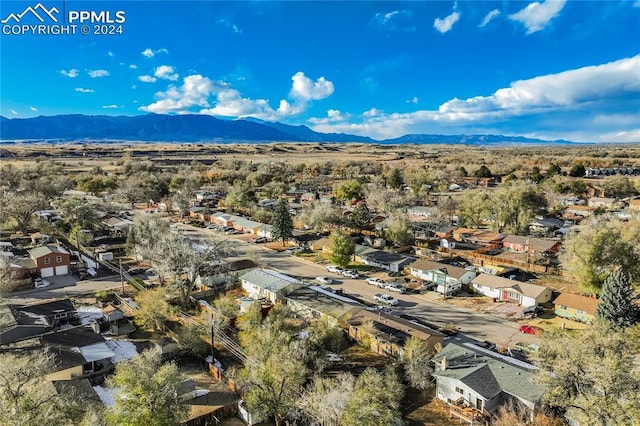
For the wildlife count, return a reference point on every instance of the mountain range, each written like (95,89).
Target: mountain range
(204,128)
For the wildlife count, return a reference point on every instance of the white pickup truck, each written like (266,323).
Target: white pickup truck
(387,299)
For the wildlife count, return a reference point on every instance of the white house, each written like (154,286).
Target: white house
(268,284)
(507,290)
(437,272)
(483,380)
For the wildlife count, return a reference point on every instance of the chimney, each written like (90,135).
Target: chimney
(444,364)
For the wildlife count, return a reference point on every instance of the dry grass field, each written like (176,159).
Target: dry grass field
(81,156)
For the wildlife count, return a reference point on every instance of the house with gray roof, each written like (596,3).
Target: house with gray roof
(315,302)
(506,290)
(268,284)
(476,381)
(437,272)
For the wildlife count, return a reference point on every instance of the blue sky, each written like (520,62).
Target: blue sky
(549,69)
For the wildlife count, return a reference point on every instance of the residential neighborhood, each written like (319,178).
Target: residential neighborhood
(317,280)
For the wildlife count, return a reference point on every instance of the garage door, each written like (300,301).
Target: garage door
(46,272)
(62,270)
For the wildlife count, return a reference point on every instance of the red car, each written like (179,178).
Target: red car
(529,329)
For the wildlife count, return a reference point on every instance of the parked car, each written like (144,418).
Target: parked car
(387,299)
(324,280)
(376,281)
(40,283)
(532,311)
(135,271)
(349,273)
(395,288)
(529,329)
(335,269)
(212,226)
(260,240)
(294,250)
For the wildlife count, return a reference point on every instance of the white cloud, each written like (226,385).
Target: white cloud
(34,109)
(373,112)
(536,15)
(194,96)
(194,91)
(14,112)
(333,116)
(134,87)
(166,72)
(398,20)
(593,103)
(98,73)
(83,90)
(133,67)
(150,53)
(636,4)
(306,89)
(489,17)
(72,73)
(568,88)
(444,25)
(112,106)
(230,25)
(111,54)
(147,79)
(413,100)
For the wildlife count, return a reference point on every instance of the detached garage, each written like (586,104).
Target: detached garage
(51,260)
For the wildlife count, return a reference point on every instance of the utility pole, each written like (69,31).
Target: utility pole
(121,277)
(213,339)
(445,282)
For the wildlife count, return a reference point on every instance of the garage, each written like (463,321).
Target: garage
(62,270)
(47,272)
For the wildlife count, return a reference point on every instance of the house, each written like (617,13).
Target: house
(268,284)
(576,307)
(477,236)
(504,289)
(247,225)
(583,211)
(116,321)
(51,260)
(422,211)
(265,231)
(79,353)
(21,322)
(437,272)
(545,226)
(223,219)
(389,333)
(314,302)
(531,245)
(388,261)
(602,202)
(476,382)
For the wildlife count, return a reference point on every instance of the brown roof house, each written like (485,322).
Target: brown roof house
(51,260)
(576,307)
(387,334)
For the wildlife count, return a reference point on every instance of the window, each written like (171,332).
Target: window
(563,307)
(459,390)
(47,260)
(479,404)
(580,312)
(59,259)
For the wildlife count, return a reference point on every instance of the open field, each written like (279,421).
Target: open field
(81,156)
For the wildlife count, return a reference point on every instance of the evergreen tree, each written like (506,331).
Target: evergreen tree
(282,222)
(617,307)
(483,172)
(577,171)
(395,179)
(361,217)
(342,248)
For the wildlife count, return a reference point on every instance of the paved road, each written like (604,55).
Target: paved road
(64,286)
(428,307)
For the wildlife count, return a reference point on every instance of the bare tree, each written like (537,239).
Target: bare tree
(20,206)
(26,397)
